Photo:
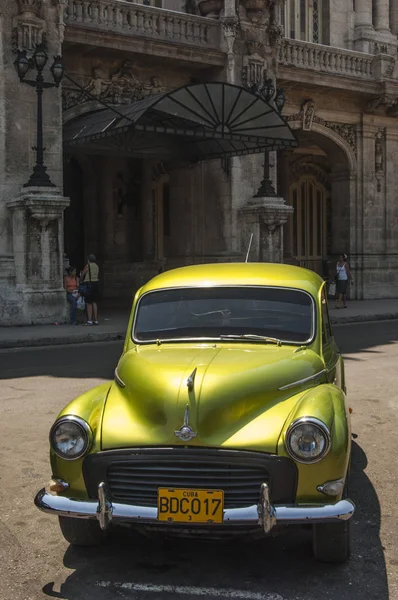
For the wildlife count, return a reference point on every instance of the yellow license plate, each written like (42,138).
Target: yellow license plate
(190,506)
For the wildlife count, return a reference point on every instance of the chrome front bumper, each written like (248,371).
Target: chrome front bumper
(264,514)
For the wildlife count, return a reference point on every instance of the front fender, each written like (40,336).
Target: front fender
(90,407)
(327,403)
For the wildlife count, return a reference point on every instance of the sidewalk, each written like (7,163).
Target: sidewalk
(113,325)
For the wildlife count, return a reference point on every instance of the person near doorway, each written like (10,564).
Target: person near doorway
(71,285)
(343,274)
(90,275)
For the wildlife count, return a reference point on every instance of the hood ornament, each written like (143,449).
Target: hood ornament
(185,433)
(191,380)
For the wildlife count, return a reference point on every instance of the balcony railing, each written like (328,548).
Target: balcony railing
(119,16)
(325,59)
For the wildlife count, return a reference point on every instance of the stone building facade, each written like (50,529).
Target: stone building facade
(142,201)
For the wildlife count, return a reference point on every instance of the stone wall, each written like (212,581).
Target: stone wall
(23,25)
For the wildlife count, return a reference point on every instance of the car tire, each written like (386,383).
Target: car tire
(81,532)
(331,541)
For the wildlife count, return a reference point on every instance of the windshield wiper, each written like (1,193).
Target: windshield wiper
(251,336)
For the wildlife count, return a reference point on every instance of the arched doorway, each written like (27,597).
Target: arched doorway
(318,180)
(308,226)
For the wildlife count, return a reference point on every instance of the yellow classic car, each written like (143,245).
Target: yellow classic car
(227,416)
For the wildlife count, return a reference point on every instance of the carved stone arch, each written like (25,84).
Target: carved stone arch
(306,165)
(334,137)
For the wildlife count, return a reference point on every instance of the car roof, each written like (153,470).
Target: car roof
(237,274)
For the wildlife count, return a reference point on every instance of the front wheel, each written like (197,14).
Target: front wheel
(331,541)
(81,532)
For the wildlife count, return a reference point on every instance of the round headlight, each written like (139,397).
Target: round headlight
(70,437)
(308,440)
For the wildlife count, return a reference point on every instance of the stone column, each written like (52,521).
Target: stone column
(38,244)
(265,218)
(382,15)
(394,16)
(363,31)
(363,13)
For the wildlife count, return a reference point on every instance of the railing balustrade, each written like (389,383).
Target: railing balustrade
(144,21)
(325,59)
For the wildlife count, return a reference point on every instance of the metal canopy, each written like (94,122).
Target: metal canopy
(209,120)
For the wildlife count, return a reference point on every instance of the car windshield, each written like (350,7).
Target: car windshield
(215,312)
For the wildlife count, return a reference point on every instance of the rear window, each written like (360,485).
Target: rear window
(210,313)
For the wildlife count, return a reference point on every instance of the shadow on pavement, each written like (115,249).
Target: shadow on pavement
(279,569)
(95,360)
(98,360)
(365,337)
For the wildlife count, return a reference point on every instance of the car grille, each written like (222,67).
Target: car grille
(134,476)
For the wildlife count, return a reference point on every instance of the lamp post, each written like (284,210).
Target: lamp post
(39,177)
(268,92)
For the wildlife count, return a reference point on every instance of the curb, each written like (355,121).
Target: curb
(93,337)
(63,341)
(363,318)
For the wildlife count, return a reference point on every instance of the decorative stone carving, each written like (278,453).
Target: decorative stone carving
(28,29)
(191,7)
(254,47)
(380,143)
(383,66)
(308,110)
(255,9)
(383,105)
(210,8)
(29,7)
(61,6)
(38,242)
(230,29)
(344,130)
(389,70)
(255,64)
(274,30)
(121,87)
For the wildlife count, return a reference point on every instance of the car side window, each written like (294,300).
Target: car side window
(326,326)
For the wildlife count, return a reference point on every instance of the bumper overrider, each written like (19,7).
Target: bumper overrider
(264,514)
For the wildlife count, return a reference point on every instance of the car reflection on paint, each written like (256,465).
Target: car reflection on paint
(227,416)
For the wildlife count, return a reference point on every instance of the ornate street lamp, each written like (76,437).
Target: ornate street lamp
(280,99)
(39,177)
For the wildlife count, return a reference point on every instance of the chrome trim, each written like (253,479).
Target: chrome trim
(191,380)
(300,381)
(266,512)
(265,515)
(314,319)
(84,426)
(185,433)
(318,424)
(119,381)
(60,482)
(104,509)
(323,488)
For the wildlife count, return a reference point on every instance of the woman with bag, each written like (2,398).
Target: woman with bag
(343,273)
(89,287)
(71,285)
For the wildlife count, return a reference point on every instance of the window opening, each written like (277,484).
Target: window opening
(303,20)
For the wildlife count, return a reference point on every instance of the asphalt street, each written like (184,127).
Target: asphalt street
(36,563)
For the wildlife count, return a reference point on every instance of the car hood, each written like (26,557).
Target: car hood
(235,400)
